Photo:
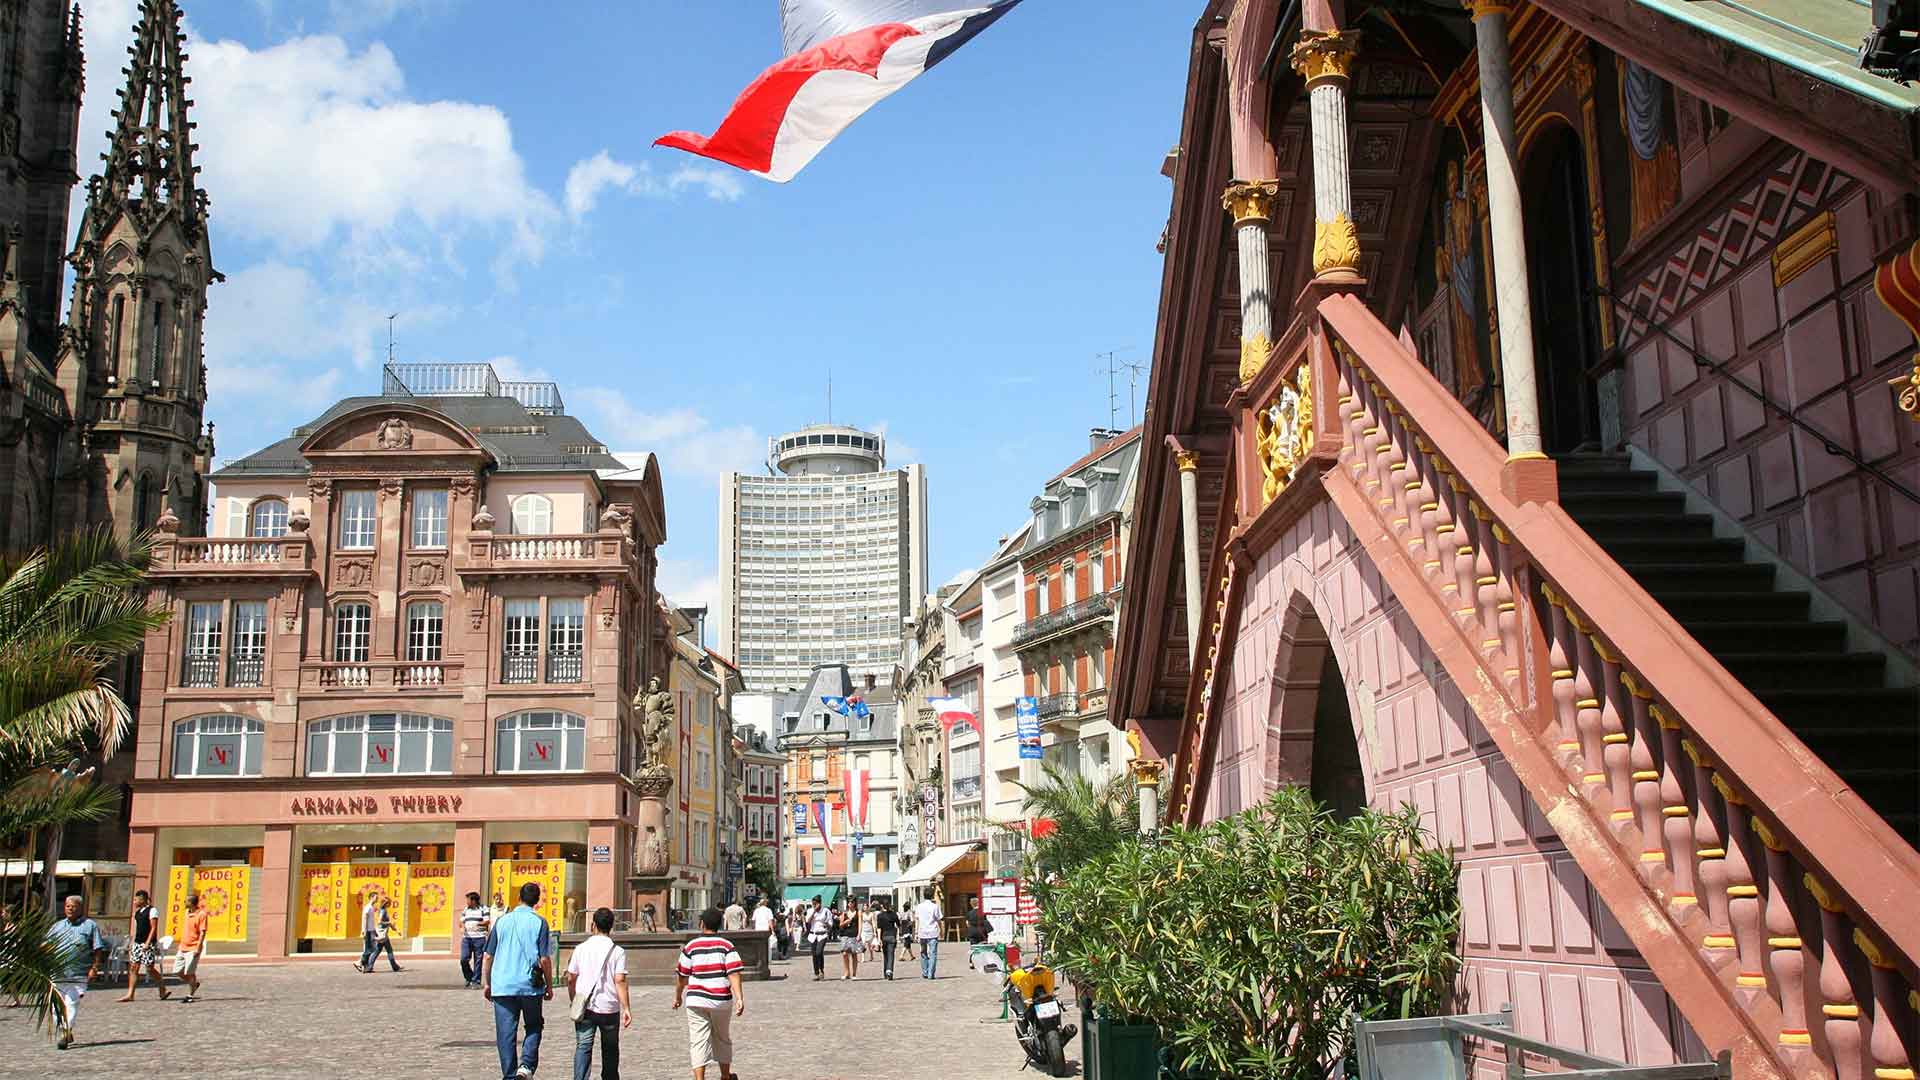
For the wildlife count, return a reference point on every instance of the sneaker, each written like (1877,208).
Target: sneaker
(66,1038)
(525,1073)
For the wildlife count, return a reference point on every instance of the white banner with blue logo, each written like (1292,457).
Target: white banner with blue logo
(1026,719)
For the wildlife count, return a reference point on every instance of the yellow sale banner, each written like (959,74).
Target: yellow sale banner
(380,881)
(323,902)
(224,892)
(430,899)
(507,876)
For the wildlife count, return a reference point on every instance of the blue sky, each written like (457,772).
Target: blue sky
(958,257)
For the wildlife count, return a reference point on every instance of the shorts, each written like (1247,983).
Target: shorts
(140,956)
(70,991)
(186,962)
(710,1035)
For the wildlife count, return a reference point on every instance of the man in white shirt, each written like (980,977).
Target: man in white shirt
(474,922)
(926,927)
(598,972)
(736,917)
(369,922)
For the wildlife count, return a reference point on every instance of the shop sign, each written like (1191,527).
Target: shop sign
(368,805)
(602,853)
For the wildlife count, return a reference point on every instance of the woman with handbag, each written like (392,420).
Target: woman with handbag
(597,998)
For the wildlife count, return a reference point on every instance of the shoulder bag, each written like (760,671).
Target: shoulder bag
(577,1008)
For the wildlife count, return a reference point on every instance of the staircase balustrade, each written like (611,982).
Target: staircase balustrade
(1798,899)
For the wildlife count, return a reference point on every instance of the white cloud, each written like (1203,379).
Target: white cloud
(686,441)
(688,582)
(899,451)
(590,177)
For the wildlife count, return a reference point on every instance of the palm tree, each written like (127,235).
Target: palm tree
(1087,820)
(68,614)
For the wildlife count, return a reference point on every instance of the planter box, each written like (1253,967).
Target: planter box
(1113,1050)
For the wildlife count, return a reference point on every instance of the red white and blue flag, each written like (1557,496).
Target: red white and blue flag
(842,58)
(859,790)
(953,710)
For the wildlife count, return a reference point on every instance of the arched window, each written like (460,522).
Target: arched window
(380,744)
(221,745)
(143,514)
(267,517)
(540,742)
(533,515)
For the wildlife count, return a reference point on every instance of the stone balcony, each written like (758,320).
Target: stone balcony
(201,556)
(381,675)
(1074,616)
(608,550)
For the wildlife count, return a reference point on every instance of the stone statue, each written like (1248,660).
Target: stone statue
(658,711)
(394,434)
(652,856)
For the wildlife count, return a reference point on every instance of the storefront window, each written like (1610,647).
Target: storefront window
(376,744)
(541,742)
(218,746)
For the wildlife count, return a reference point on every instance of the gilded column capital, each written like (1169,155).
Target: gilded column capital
(1250,200)
(1186,460)
(1482,8)
(1325,54)
(1336,247)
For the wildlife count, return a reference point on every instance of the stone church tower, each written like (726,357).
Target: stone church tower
(101,417)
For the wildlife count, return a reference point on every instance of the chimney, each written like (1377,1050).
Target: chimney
(1100,436)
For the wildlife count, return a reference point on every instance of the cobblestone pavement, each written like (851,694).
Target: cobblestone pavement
(322,1019)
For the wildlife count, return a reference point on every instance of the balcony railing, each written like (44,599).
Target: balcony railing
(290,554)
(246,669)
(381,675)
(520,666)
(200,669)
(1058,705)
(1097,606)
(543,548)
(566,666)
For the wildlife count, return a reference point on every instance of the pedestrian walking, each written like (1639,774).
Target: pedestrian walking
(869,929)
(926,927)
(707,981)
(85,948)
(906,932)
(143,945)
(763,924)
(735,917)
(887,926)
(597,990)
(474,922)
(517,977)
(976,928)
(191,943)
(383,936)
(819,925)
(851,946)
(369,922)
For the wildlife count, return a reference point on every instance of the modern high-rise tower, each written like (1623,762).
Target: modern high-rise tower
(821,559)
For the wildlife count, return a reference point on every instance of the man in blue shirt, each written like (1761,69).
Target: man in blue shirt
(518,946)
(80,939)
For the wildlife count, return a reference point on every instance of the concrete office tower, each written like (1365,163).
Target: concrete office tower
(821,559)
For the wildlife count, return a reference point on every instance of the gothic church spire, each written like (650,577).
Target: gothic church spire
(150,165)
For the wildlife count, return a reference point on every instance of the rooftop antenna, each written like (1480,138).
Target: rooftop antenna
(829,391)
(1114,364)
(390,319)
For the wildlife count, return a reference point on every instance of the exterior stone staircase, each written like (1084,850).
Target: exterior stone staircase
(1737,787)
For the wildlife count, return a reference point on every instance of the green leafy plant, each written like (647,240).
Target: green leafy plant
(1083,821)
(67,614)
(1255,942)
(760,873)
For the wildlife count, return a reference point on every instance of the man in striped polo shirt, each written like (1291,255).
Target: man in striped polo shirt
(709,984)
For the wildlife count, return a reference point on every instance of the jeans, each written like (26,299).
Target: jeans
(471,950)
(608,1026)
(929,948)
(367,950)
(375,948)
(887,947)
(508,1012)
(819,957)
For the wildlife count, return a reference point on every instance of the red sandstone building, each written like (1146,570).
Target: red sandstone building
(401,664)
(1562,484)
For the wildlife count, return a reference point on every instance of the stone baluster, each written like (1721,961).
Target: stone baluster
(1839,1010)
(1373,436)
(1485,580)
(1644,772)
(1421,505)
(1710,848)
(1347,402)
(1560,653)
(1506,616)
(1443,548)
(1465,554)
(1587,680)
(1365,426)
(1743,896)
(1892,1013)
(1786,955)
(1676,824)
(1393,491)
(1615,751)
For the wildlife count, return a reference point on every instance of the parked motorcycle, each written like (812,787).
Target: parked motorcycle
(1036,1018)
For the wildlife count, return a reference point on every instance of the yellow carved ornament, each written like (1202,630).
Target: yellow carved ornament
(1253,356)
(1283,433)
(1897,283)
(1325,54)
(1336,245)
(1250,200)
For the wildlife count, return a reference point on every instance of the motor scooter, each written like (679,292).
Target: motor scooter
(1036,1017)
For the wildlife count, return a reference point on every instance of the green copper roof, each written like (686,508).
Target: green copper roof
(1818,37)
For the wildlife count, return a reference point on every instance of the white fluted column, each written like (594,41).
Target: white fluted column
(1189,464)
(1512,304)
(1325,59)
(1251,203)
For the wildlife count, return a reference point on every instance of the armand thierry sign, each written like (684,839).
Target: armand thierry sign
(370,806)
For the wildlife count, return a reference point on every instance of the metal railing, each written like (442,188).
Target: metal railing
(520,666)
(1058,705)
(246,669)
(200,669)
(1435,1048)
(566,665)
(537,397)
(1093,607)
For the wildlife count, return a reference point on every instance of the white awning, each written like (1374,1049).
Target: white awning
(933,865)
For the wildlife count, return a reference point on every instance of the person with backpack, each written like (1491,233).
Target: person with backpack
(517,976)
(143,946)
(597,992)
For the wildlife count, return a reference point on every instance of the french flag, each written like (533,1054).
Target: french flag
(951,711)
(842,58)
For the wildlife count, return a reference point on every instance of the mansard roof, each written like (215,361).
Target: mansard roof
(1096,485)
(518,439)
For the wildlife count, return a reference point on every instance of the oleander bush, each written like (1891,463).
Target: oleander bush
(1255,942)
